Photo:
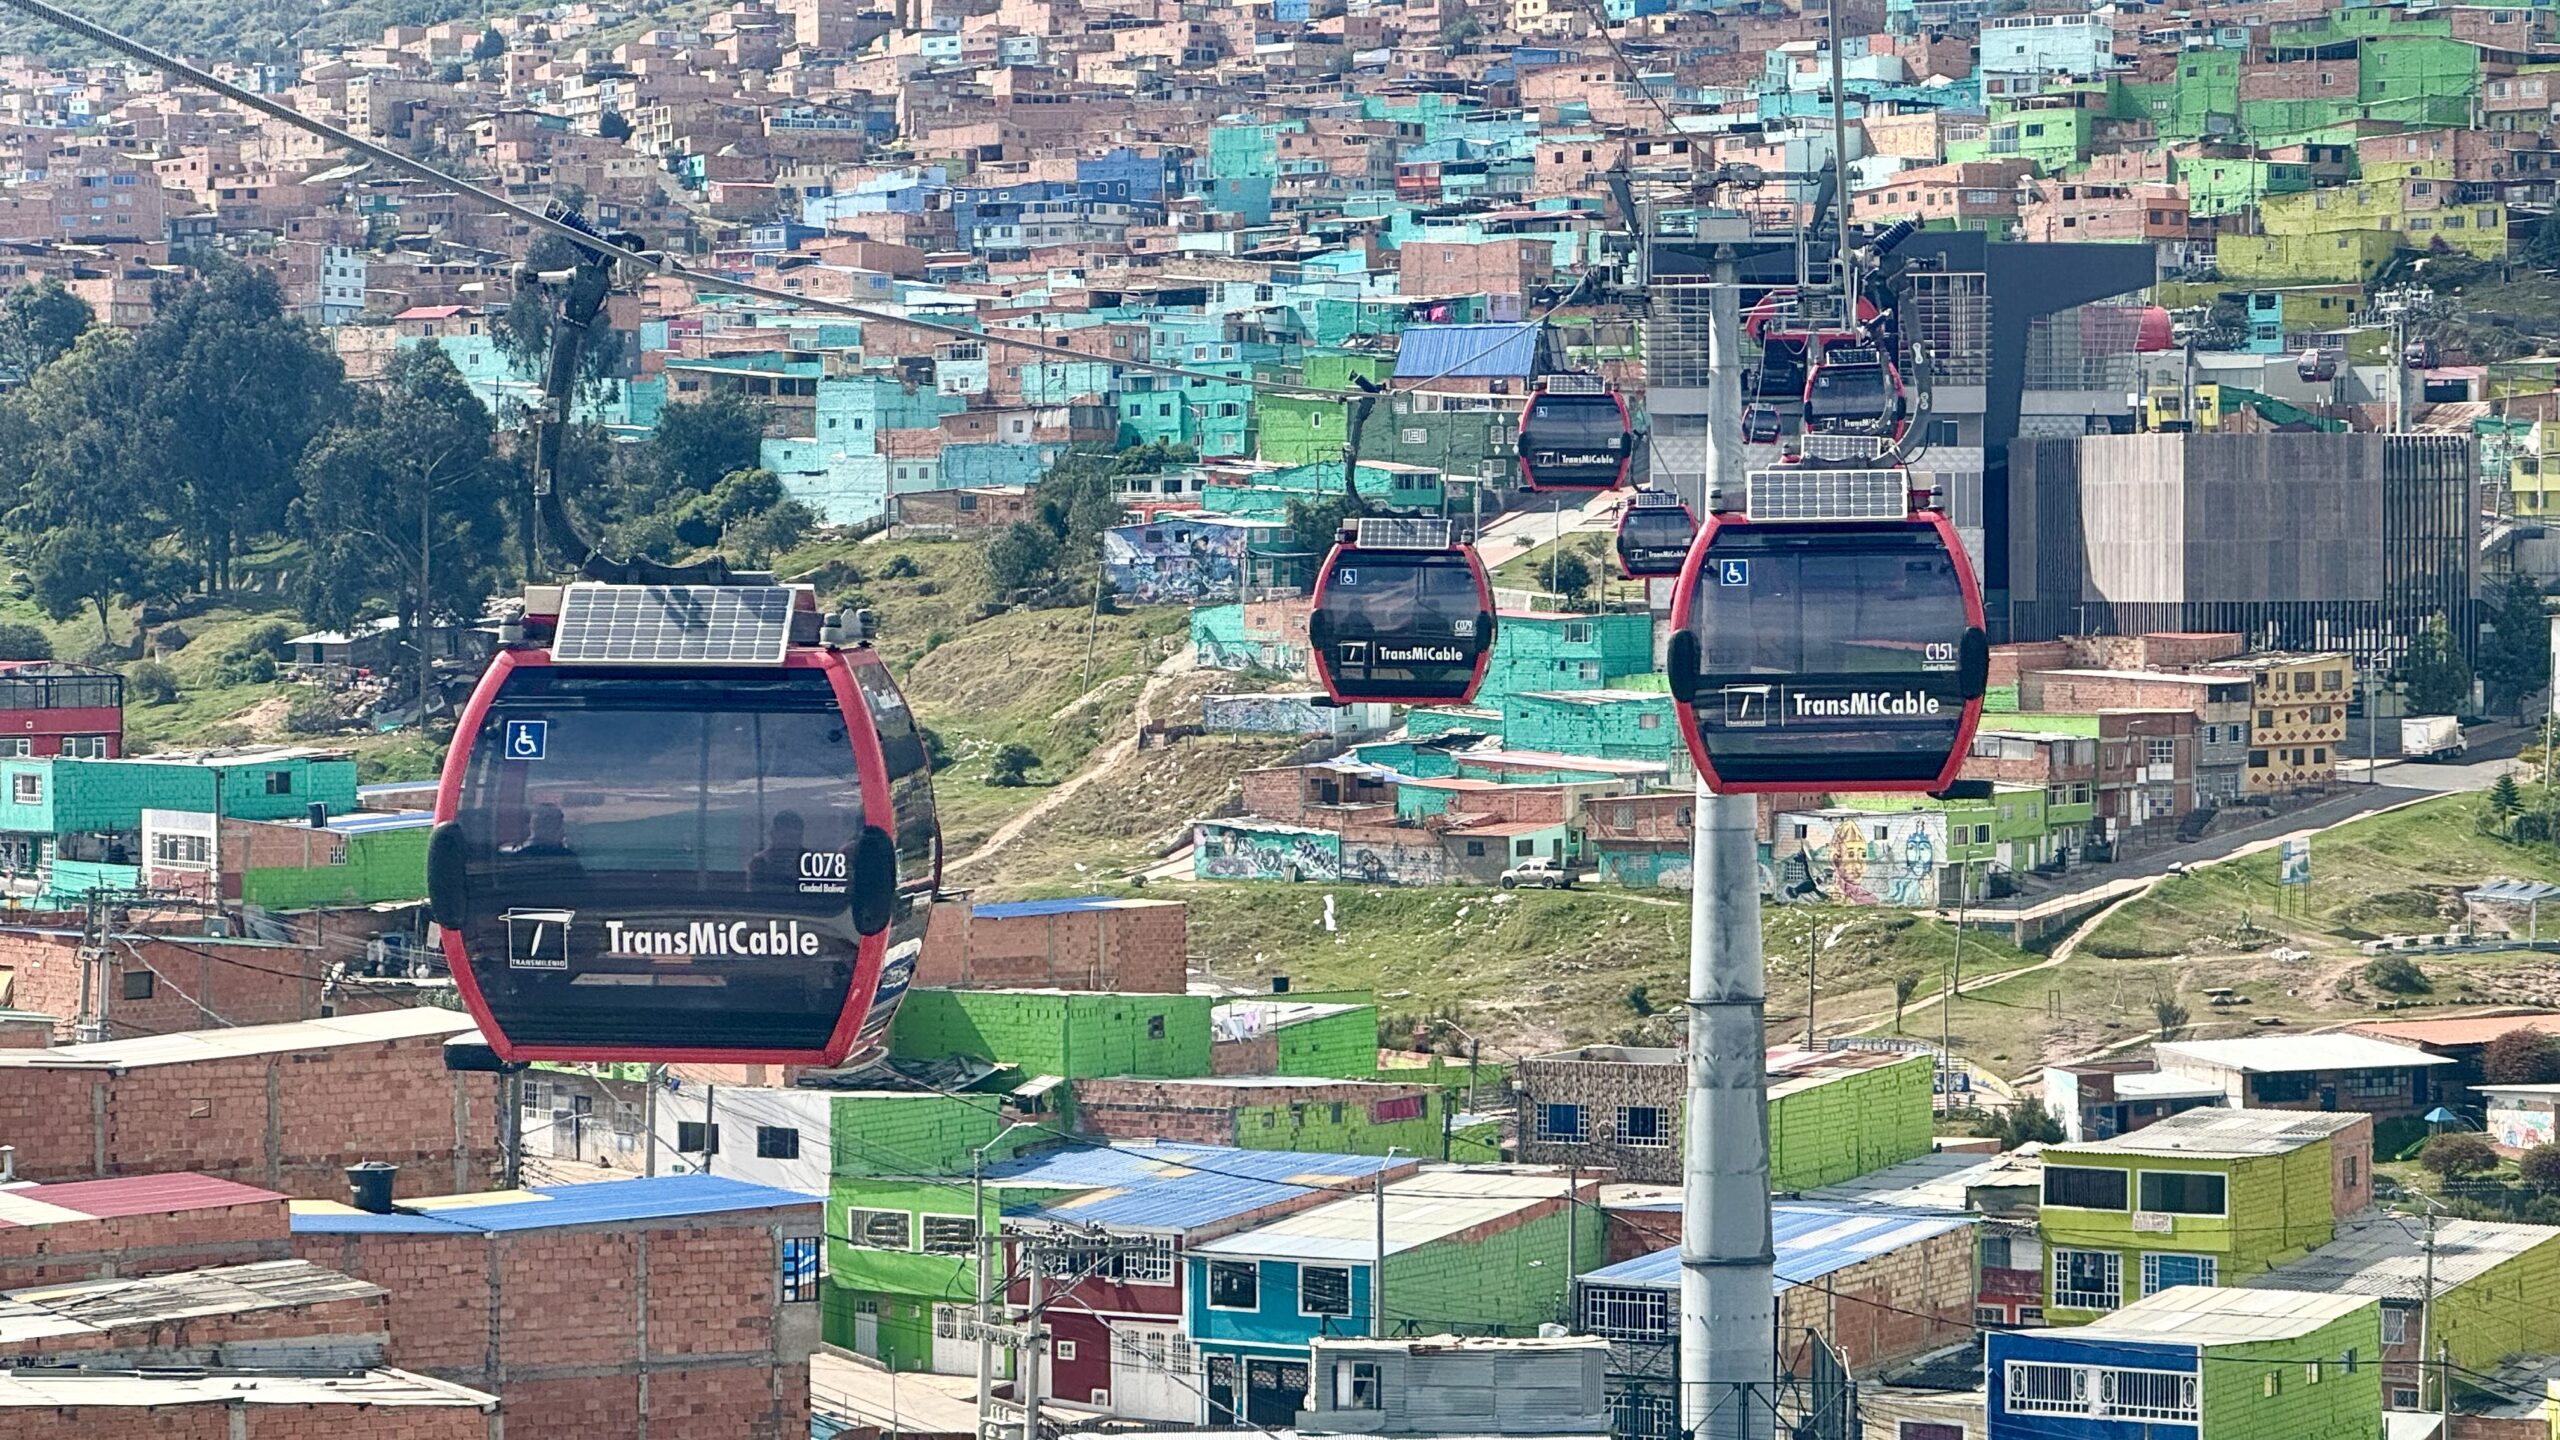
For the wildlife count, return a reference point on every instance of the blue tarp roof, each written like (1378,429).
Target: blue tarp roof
(1811,1240)
(361,822)
(666,1197)
(1467,352)
(1177,1187)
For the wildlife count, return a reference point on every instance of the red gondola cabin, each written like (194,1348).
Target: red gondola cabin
(1401,616)
(684,823)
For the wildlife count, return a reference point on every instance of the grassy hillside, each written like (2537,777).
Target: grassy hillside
(1531,970)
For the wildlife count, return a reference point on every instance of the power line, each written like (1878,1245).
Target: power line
(656,262)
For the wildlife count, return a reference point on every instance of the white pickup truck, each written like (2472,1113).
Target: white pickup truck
(2432,737)
(1542,874)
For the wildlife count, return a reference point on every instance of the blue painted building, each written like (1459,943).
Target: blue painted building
(1481,1250)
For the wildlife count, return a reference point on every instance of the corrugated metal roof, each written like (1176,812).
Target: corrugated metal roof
(2469,1030)
(1936,1182)
(48,1390)
(1177,1188)
(2386,1257)
(2207,1315)
(190,1045)
(362,822)
(132,1195)
(1438,1203)
(1811,1241)
(2218,1132)
(2283,1054)
(665,1197)
(1467,352)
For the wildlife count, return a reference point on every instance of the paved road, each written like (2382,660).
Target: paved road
(1537,524)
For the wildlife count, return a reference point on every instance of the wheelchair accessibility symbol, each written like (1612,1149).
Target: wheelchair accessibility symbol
(527,739)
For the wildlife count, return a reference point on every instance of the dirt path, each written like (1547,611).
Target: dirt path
(2063,950)
(1118,753)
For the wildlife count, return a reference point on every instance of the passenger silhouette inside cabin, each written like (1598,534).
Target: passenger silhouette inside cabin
(548,835)
(778,863)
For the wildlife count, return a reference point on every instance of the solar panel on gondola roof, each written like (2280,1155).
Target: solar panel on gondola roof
(673,625)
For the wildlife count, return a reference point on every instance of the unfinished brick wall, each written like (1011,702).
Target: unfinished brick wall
(1136,948)
(1211,1114)
(148,1243)
(290,1121)
(243,984)
(553,1321)
(256,1422)
(354,1323)
(1916,1299)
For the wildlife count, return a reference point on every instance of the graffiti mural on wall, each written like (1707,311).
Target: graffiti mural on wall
(1173,561)
(1266,715)
(2520,1127)
(1220,853)
(1860,859)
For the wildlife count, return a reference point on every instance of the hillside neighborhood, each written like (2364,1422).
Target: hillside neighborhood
(871,500)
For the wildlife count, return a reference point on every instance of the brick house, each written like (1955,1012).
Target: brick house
(1882,1285)
(694,1300)
(1832,1114)
(1267,1112)
(287,1107)
(2146,772)
(136,1225)
(2354,1073)
(163,983)
(1087,942)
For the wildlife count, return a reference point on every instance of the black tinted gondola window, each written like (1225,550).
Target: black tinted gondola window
(1576,424)
(1387,594)
(694,784)
(1817,607)
(910,775)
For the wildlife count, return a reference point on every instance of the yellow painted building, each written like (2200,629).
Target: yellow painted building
(2533,471)
(2419,200)
(2297,719)
(2343,257)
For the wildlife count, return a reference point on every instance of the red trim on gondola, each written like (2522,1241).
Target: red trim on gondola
(870,951)
(1626,454)
(1484,605)
(1968,724)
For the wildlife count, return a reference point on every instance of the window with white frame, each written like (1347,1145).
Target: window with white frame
(1355,1385)
(2395,1325)
(1324,1290)
(1133,1259)
(1623,1313)
(2088,1279)
(1644,1415)
(1644,1127)
(2159,1272)
(1562,1124)
(950,1234)
(2147,1395)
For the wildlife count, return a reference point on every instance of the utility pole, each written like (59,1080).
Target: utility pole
(1728,1310)
(1378,1270)
(1812,952)
(986,1335)
(1955,976)
(655,1076)
(91,1027)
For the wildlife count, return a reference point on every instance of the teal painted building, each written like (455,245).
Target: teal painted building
(1543,651)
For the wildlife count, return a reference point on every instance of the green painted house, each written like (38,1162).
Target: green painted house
(1069,1034)
(1550,651)
(76,825)
(2195,1363)
(2207,1197)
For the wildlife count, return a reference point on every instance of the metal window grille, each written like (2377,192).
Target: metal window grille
(949,1234)
(880,1229)
(801,1268)
(2035,1389)
(1324,1290)
(1562,1124)
(1644,1415)
(1619,1313)
(2147,1395)
(1644,1127)
(2087,1279)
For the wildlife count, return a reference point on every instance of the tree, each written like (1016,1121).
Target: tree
(1314,525)
(2398,974)
(153,683)
(1020,557)
(449,73)
(611,126)
(91,567)
(2457,1154)
(2168,1013)
(2020,1124)
(1570,573)
(39,323)
(74,454)
(748,515)
(21,641)
(2439,679)
(235,391)
(403,507)
(698,443)
(1905,985)
(1012,766)
(2522,1056)
(2540,1168)
(2515,654)
(2505,798)
(490,47)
